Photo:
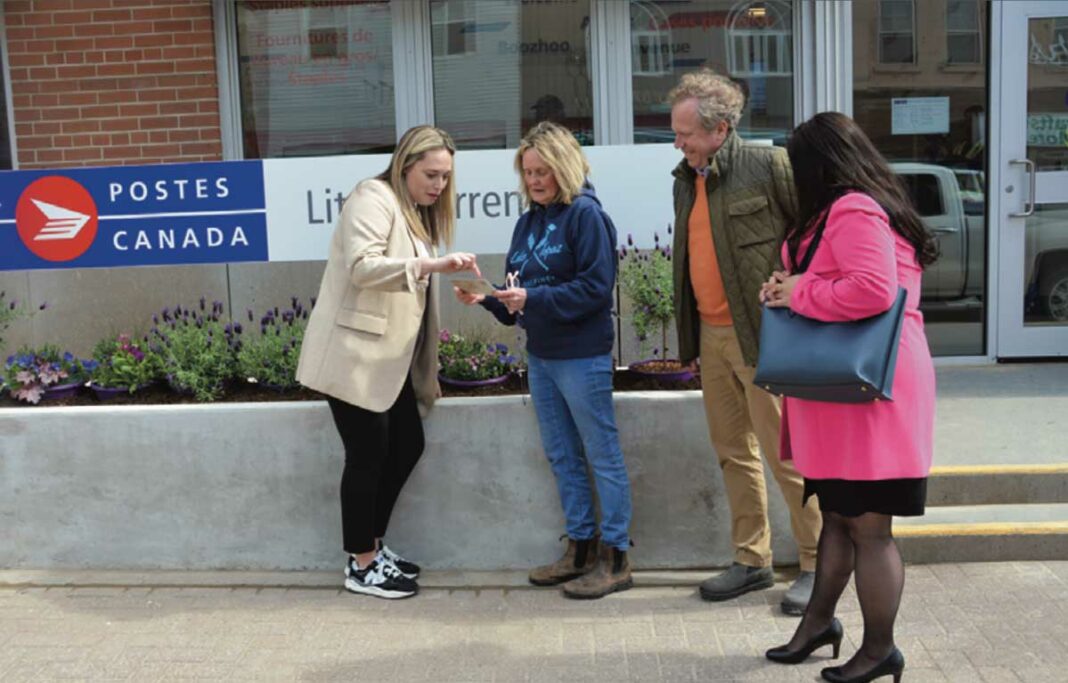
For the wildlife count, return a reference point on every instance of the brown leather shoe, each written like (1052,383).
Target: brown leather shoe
(611,574)
(579,558)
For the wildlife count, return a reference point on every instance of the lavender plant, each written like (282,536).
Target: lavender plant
(646,279)
(12,310)
(195,349)
(270,358)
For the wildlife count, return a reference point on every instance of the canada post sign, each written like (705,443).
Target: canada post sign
(168,214)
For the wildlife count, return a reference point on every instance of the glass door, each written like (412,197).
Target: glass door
(1033,238)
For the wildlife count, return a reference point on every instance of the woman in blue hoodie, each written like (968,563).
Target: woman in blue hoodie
(561,273)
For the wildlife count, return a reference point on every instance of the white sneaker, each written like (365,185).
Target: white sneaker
(380,579)
(406,567)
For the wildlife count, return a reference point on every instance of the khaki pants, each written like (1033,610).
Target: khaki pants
(741,416)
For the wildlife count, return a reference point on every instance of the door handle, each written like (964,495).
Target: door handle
(1029,205)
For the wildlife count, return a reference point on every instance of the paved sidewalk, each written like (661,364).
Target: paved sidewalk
(963,622)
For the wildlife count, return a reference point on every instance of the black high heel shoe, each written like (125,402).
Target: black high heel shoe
(832,635)
(892,665)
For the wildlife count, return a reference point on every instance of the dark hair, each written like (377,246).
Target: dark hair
(830,156)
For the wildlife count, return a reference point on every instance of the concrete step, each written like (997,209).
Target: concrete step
(985,533)
(997,484)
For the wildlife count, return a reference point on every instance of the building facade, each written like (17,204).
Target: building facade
(967,98)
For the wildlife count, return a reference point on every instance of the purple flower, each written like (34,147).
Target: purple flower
(630,240)
(250,315)
(202,301)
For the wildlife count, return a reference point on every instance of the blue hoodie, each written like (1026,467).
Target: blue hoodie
(565,255)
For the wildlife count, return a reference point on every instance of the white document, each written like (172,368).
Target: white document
(919,115)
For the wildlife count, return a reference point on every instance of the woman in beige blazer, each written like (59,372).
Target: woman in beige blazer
(371,343)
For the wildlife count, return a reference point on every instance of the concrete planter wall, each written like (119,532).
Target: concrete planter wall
(255,486)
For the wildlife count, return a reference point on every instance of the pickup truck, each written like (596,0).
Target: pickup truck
(951,202)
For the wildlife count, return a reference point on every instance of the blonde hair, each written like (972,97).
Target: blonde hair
(436,223)
(561,153)
(718,97)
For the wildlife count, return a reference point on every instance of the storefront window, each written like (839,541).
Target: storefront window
(930,124)
(316,78)
(752,42)
(502,66)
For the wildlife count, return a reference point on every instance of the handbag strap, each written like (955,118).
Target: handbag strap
(811,251)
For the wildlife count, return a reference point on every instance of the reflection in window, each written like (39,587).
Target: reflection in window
(750,41)
(450,32)
(315,79)
(761,38)
(1047,107)
(5,141)
(500,67)
(930,124)
(963,42)
(1046,266)
(897,32)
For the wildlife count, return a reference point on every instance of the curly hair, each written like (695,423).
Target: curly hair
(718,97)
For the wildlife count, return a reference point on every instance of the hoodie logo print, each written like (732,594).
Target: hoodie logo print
(547,246)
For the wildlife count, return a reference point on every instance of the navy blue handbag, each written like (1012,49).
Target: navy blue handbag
(839,362)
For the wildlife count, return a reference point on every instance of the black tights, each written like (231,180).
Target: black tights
(381,450)
(864,544)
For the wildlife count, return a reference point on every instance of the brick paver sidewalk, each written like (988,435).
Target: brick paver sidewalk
(966,622)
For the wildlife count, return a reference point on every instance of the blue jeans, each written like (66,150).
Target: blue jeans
(573,400)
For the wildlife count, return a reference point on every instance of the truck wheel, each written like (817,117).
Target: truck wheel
(1055,293)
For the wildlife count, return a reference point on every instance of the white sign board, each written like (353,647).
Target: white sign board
(304,196)
(919,115)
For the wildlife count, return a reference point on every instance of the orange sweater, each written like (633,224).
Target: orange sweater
(704,268)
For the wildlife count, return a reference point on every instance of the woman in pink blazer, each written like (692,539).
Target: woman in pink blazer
(865,462)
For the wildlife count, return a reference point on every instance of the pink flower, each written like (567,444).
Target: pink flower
(30,394)
(444,336)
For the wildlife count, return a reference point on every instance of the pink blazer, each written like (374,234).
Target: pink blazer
(854,274)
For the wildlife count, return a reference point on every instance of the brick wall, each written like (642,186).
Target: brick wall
(113,81)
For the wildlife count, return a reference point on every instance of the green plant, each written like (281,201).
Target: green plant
(29,372)
(124,363)
(271,358)
(646,279)
(195,349)
(470,359)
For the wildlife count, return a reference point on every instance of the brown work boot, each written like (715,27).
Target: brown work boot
(579,558)
(611,574)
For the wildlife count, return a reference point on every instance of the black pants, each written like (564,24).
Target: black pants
(381,450)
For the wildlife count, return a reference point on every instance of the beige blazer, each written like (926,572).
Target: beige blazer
(374,320)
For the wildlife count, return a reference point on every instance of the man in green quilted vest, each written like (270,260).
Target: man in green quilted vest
(733,203)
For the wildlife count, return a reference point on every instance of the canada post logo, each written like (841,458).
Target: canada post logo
(167,214)
(56,218)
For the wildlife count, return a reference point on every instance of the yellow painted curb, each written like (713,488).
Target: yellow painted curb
(988,529)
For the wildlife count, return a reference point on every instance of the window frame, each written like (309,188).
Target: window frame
(880,33)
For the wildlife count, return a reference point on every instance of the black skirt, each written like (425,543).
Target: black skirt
(898,497)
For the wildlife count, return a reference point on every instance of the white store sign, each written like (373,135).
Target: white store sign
(304,196)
